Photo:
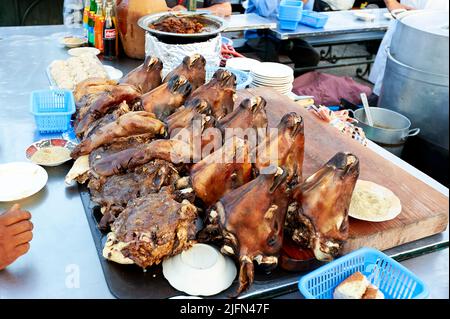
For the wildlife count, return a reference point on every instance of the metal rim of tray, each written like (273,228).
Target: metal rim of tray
(144,21)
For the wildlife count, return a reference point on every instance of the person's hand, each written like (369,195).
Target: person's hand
(178,8)
(15,235)
(395,5)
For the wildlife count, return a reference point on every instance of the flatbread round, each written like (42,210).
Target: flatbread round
(373,202)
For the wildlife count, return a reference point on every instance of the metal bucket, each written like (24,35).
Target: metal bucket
(420,40)
(390,130)
(419,95)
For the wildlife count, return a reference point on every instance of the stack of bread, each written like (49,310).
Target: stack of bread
(357,286)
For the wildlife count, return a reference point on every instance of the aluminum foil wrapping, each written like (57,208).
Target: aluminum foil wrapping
(173,54)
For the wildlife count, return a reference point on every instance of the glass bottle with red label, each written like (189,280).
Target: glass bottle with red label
(109,35)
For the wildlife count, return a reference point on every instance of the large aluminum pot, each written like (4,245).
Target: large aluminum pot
(420,96)
(420,40)
(390,130)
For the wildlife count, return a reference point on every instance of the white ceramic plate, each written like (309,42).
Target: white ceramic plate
(113,73)
(200,271)
(274,84)
(243,64)
(272,80)
(84,50)
(20,180)
(272,70)
(373,192)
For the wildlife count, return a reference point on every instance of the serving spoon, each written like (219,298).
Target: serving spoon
(367,108)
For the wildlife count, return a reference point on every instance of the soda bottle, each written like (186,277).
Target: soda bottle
(86,18)
(109,35)
(91,23)
(98,26)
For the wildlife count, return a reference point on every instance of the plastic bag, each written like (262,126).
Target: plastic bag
(173,54)
(73,13)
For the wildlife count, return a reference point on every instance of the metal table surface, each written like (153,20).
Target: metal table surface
(251,21)
(62,261)
(342,26)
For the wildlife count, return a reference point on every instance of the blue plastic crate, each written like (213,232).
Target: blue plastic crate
(288,24)
(393,279)
(314,19)
(52,110)
(290,10)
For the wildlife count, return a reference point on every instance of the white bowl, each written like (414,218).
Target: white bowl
(200,271)
(73,41)
(83,50)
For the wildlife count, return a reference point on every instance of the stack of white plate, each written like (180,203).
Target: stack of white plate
(274,75)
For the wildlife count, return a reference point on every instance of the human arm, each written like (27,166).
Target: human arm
(263,8)
(15,235)
(395,5)
(222,9)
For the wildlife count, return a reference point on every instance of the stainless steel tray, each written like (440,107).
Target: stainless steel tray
(128,281)
(213,25)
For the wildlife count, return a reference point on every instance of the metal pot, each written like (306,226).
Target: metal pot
(390,130)
(419,95)
(420,40)
(213,26)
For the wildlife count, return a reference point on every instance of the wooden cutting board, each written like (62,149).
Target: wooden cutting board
(425,211)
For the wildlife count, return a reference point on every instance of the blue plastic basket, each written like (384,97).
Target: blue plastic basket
(290,10)
(52,110)
(288,24)
(243,79)
(314,19)
(394,280)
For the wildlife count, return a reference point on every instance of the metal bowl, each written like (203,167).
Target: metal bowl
(213,26)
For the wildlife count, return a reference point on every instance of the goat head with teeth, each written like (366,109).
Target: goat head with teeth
(248,223)
(318,217)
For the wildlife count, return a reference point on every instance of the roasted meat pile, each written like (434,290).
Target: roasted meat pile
(175,24)
(174,161)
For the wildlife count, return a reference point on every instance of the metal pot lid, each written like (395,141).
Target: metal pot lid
(435,22)
(213,24)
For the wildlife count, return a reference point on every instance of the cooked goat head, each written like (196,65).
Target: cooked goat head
(222,171)
(167,98)
(192,68)
(127,125)
(114,192)
(248,222)
(147,76)
(318,218)
(283,147)
(105,103)
(151,229)
(174,151)
(251,113)
(196,110)
(219,93)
